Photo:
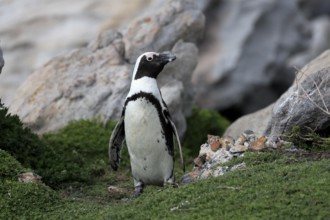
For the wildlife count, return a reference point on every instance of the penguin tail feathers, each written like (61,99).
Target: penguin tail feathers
(115,144)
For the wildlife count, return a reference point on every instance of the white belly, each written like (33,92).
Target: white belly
(150,160)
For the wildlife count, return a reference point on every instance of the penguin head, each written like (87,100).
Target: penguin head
(150,64)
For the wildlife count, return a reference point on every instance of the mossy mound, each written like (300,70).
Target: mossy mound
(22,200)
(81,153)
(10,168)
(19,141)
(26,200)
(76,154)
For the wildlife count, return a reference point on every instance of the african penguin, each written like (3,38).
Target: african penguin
(146,126)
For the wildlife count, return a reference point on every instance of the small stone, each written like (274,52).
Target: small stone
(220,171)
(206,149)
(238,166)
(258,145)
(29,177)
(200,160)
(116,190)
(240,140)
(250,137)
(227,142)
(272,142)
(220,157)
(182,205)
(192,176)
(214,142)
(205,174)
(238,149)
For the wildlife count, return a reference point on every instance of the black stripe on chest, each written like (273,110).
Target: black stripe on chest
(164,117)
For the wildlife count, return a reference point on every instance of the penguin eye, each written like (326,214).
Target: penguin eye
(150,58)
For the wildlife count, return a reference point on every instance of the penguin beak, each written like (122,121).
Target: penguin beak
(167,57)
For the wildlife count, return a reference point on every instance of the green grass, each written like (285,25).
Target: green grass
(269,190)
(80,153)
(75,173)
(271,187)
(10,168)
(266,191)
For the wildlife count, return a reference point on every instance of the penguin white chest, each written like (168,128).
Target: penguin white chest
(150,161)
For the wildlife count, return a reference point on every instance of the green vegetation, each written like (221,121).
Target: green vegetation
(76,154)
(309,141)
(19,141)
(201,123)
(75,175)
(9,167)
(22,199)
(269,191)
(80,153)
(26,199)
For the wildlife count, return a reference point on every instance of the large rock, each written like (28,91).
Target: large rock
(256,122)
(319,41)
(32,32)
(181,19)
(246,46)
(314,8)
(307,101)
(94,81)
(305,104)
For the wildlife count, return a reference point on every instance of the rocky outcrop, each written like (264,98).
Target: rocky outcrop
(214,155)
(314,8)
(305,104)
(256,122)
(318,42)
(246,46)
(159,30)
(245,61)
(94,81)
(33,32)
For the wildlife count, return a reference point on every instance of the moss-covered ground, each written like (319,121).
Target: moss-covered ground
(75,176)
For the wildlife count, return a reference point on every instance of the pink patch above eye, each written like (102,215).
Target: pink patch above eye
(150,55)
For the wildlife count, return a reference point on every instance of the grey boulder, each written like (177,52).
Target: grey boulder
(305,104)
(247,45)
(94,81)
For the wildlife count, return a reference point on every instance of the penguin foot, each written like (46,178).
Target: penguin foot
(170,185)
(137,191)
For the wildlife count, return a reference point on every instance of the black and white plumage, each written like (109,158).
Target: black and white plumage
(146,126)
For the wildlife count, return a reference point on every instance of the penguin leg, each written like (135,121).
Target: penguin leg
(170,181)
(138,188)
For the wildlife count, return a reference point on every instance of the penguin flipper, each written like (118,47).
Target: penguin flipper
(175,132)
(115,144)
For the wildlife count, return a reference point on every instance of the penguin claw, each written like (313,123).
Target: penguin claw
(171,185)
(137,192)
